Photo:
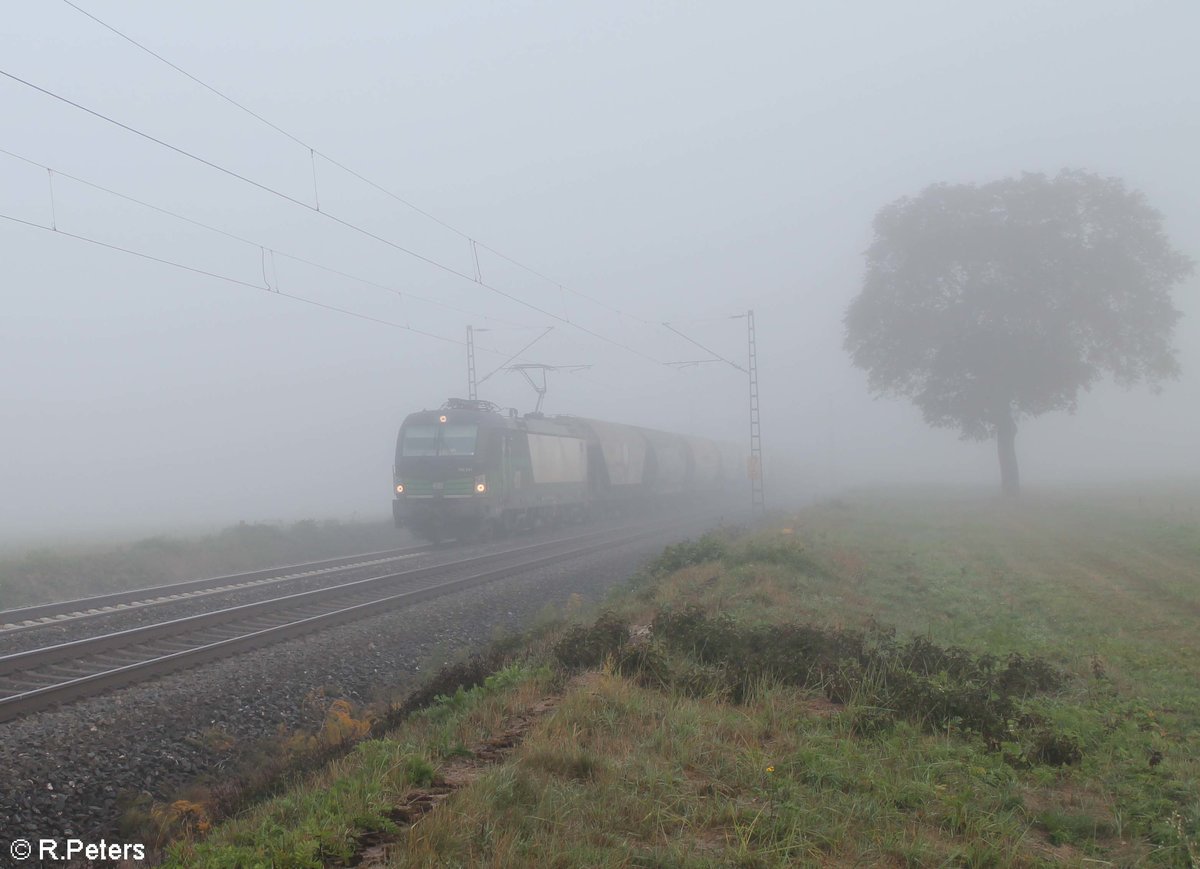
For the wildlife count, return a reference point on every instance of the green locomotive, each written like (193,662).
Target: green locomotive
(467,469)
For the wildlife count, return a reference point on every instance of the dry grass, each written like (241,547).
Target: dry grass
(649,761)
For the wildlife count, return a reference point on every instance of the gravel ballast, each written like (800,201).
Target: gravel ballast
(71,771)
(69,630)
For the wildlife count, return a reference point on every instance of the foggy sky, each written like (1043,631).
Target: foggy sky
(678,161)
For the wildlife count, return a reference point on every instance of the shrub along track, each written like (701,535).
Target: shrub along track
(39,678)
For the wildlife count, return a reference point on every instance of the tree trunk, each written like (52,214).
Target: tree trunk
(1006,437)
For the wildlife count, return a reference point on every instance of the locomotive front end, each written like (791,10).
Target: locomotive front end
(440,477)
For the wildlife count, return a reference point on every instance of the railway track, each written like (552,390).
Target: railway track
(40,678)
(30,618)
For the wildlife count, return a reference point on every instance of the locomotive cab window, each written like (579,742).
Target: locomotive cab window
(439,440)
(458,440)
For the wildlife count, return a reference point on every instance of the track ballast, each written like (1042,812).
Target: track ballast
(40,678)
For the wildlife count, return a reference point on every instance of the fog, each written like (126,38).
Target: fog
(678,162)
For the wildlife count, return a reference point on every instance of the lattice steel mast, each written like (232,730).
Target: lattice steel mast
(471,389)
(758,503)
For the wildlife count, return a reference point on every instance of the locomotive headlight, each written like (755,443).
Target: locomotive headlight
(442,418)
(481,488)
(399,488)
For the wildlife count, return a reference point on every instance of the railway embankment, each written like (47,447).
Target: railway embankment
(141,759)
(912,679)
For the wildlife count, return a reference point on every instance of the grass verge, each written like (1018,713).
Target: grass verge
(877,680)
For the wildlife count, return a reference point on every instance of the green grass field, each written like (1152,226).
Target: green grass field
(903,679)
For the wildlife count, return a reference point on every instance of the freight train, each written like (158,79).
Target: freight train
(469,469)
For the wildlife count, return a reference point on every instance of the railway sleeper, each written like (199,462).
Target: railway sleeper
(27,683)
(119,657)
(174,645)
(217,632)
(67,670)
(73,672)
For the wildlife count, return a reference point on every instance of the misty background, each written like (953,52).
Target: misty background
(678,162)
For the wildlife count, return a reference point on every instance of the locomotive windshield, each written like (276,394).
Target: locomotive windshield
(439,440)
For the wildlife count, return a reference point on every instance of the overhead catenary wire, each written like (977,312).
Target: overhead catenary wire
(222,277)
(267,251)
(718,356)
(315,152)
(249,284)
(515,355)
(345,223)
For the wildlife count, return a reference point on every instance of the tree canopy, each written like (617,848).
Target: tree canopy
(987,303)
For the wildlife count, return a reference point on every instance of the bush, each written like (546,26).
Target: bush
(710,547)
(587,646)
(785,552)
(940,688)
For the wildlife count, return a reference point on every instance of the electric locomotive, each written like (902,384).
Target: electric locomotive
(468,469)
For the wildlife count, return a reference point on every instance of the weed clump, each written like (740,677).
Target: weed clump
(783,552)
(575,765)
(732,548)
(418,771)
(710,547)
(1030,675)
(450,679)
(584,646)
(1045,745)
(880,679)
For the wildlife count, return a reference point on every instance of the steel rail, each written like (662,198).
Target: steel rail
(70,689)
(60,612)
(76,649)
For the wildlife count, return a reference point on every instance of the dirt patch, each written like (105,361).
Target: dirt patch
(710,842)
(820,706)
(1060,855)
(588,683)
(455,774)
(1066,817)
